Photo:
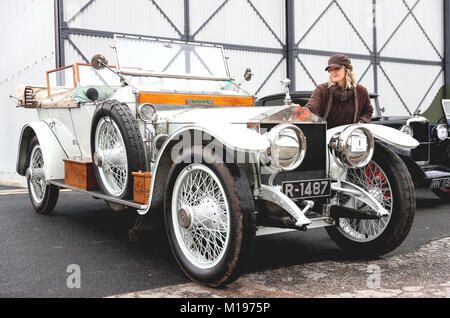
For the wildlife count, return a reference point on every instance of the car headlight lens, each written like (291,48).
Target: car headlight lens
(353,147)
(147,112)
(407,130)
(441,132)
(287,146)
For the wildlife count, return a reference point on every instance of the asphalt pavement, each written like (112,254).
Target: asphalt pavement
(38,253)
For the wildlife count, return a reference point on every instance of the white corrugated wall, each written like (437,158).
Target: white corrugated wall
(27,44)
(346,26)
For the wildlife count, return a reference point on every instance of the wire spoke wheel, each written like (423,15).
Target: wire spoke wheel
(386,178)
(374,180)
(110,147)
(37,180)
(201,216)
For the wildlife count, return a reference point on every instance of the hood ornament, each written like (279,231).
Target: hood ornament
(287,100)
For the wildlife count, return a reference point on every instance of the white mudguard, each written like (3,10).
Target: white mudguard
(386,134)
(232,136)
(52,148)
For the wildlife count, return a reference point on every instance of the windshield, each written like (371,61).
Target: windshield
(162,66)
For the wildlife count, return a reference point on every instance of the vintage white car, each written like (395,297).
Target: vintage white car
(222,170)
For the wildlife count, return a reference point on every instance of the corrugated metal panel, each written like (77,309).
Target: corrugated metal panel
(432,94)
(27,38)
(306,13)
(89,46)
(409,41)
(360,14)
(430,15)
(261,64)
(28,22)
(174,9)
(303,81)
(333,32)
(142,17)
(238,23)
(366,80)
(389,15)
(411,82)
(313,66)
(200,11)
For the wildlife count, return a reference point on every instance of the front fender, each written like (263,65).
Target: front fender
(235,137)
(52,150)
(232,137)
(385,134)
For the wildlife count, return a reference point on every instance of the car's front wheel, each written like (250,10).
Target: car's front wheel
(387,179)
(208,215)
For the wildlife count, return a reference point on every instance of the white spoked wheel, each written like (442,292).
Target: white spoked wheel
(37,178)
(387,179)
(111,156)
(373,179)
(201,216)
(208,214)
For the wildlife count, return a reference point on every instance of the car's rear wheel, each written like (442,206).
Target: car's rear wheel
(43,196)
(387,179)
(117,149)
(208,211)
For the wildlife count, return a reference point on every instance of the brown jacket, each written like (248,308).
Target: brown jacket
(320,103)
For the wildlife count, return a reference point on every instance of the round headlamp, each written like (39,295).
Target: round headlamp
(406,129)
(353,147)
(441,132)
(287,146)
(147,112)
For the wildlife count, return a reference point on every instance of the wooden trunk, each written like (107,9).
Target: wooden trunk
(79,174)
(141,189)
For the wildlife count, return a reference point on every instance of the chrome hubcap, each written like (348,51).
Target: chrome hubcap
(185,217)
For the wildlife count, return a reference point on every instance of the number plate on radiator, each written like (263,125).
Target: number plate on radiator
(306,189)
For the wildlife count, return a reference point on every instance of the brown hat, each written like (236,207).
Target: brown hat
(339,60)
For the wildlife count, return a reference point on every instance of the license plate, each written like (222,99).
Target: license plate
(440,183)
(307,189)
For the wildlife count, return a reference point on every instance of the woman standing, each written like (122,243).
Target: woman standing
(341,100)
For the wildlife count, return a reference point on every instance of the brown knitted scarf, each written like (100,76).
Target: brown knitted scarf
(340,94)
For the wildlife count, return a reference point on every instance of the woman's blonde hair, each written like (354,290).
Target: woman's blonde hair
(350,79)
